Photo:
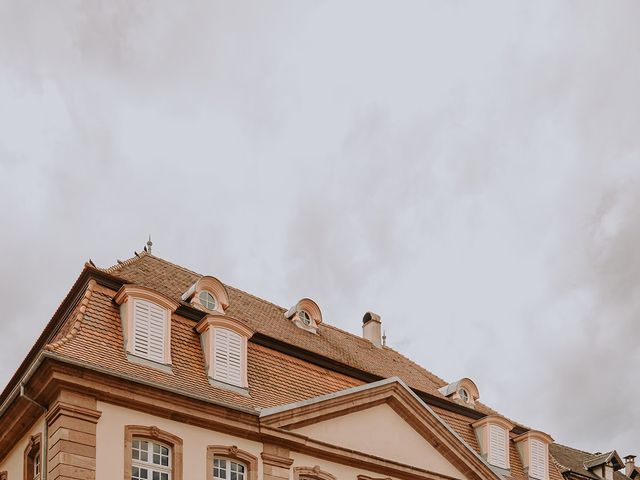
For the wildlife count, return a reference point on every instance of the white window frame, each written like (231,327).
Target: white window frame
(37,465)
(229,358)
(498,458)
(229,462)
(157,316)
(538,470)
(149,465)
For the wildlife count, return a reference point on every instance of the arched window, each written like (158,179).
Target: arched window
(152,454)
(33,458)
(230,463)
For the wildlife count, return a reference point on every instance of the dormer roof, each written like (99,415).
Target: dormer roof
(609,458)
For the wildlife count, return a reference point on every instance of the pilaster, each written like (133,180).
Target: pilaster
(276,462)
(71,422)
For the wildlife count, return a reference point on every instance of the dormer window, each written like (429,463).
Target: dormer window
(464,395)
(207,300)
(305,315)
(492,433)
(463,392)
(224,344)
(533,447)
(208,294)
(146,325)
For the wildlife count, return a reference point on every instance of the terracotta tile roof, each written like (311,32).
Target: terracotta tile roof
(95,338)
(268,319)
(462,426)
(574,460)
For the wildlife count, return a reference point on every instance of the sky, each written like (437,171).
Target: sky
(468,170)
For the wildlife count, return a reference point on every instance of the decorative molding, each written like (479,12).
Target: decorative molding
(367,477)
(313,472)
(234,453)
(137,291)
(276,460)
(153,433)
(74,411)
(4,475)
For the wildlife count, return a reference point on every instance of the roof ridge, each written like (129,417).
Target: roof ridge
(124,263)
(574,449)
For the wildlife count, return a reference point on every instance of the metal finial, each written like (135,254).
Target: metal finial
(384,338)
(149,244)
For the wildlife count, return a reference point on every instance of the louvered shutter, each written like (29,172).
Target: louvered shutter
(497,446)
(227,356)
(538,460)
(149,324)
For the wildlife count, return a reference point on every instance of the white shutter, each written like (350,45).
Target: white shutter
(149,325)
(538,460)
(497,446)
(227,354)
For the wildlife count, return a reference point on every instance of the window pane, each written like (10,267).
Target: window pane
(156,475)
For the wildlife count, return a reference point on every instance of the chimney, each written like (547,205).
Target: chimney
(371,328)
(629,464)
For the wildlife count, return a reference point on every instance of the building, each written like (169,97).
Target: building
(579,465)
(154,372)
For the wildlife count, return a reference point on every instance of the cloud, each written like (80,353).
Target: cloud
(467,171)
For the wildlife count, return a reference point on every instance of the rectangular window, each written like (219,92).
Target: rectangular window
(149,326)
(498,446)
(227,357)
(538,460)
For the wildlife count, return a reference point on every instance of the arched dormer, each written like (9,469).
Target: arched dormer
(492,433)
(224,345)
(146,324)
(533,447)
(464,392)
(306,315)
(208,294)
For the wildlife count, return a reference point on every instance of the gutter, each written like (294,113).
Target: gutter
(45,433)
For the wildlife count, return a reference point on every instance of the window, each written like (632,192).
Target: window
(146,325)
(36,466)
(149,326)
(538,466)
(207,300)
(498,445)
(464,395)
(230,463)
(152,454)
(227,469)
(228,357)
(305,317)
(150,460)
(32,458)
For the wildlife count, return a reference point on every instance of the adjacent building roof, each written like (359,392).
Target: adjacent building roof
(580,462)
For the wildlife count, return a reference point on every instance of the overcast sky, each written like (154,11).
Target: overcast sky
(469,171)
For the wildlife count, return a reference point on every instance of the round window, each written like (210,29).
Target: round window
(207,300)
(305,317)
(464,395)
